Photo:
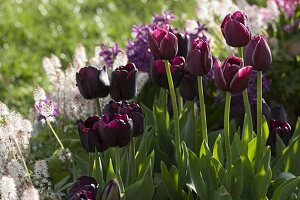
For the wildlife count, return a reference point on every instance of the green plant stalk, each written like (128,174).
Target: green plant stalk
(132,145)
(259,117)
(202,109)
(22,157)
(246,102)
(56,136)
(180,102)
(226,130)
(98,108)
(175,110)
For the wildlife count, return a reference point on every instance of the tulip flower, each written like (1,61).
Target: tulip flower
(183,44)
(258,53)
(163,43)
(92,82)
(199,59)
(123,82)
(116,130)
(278,126)
(89,135)
(188,87)
(84,188)
(235,29)
(111,191)
(111,108)
(159,76)
(232,76)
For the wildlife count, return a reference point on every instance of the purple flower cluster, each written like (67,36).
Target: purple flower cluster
(138,50)
(109,54)
(288,6)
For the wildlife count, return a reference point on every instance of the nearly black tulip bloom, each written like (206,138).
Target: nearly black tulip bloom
(188,88)
(111,191)
(89,134)
(183,44)
(111,108)
(116,130)
(199,59)
(232,76)
(123,82)
(84,188)
(278,126)
(92,82)
(163,43)
(235,29)
(258,53)
(158,72)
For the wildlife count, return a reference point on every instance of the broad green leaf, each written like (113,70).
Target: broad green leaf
(188,127)
(204,150)
(61,183)
(285,189)
(265,131)
(170,181)
(280,146)
(246,135)
(297,129)
(222,194)
(237,182)
(145,166)
(252,150)
(218,153)
(232,129)
(110,172)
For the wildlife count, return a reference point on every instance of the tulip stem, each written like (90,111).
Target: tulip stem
(259,117)
(246,102)
(175,110)
(202,108)
(226,130)
(56,136)
(98,108)
(132,144)
(180,101)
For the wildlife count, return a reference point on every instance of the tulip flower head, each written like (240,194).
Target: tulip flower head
(232,76)
(163,43)
(235,29)
(158,72)
(124,82)
(92,82)
(116,130)
(111,191)
(188,88)
(89,135)
(199,59)
(184,44)
(258,53)
(84,188)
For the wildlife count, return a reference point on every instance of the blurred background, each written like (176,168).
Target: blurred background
(33,29)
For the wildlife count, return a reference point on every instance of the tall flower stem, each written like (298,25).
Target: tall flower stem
(226,130)
(22,157)
(246,102)
(259,116)
(57,138)
(202,108)
(180,101)
(175,109)
(98,108)
(132,146)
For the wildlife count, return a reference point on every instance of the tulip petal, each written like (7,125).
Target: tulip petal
(249,52)
(261,56)
(169,46)
(241,80)
(194,63)
(159,34)
(219,77)
(236,34)
(153,45)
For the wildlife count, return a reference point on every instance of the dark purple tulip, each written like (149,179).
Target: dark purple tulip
(111,108)
(84,188)
(135,112)
(199,59)
(183,44)
(123,82)
(235,29)
(163,43)
(188,87)
(232,76)
(92,82)
(159,76)
(278,126)
(117,130)
(89,135)
(111,191)
(258,53)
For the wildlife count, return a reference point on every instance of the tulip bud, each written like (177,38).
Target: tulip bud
(199,59)
(183,44)
(232,76)
(89,135)
(258,53)
(123,82)
(278,126)
(159,76)
(235,29)
(163,43)
(84,188)
(111,191)
(92,82)
(117,130)
(188,87)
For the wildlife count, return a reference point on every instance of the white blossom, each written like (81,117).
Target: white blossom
(31,193)
(8,188)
